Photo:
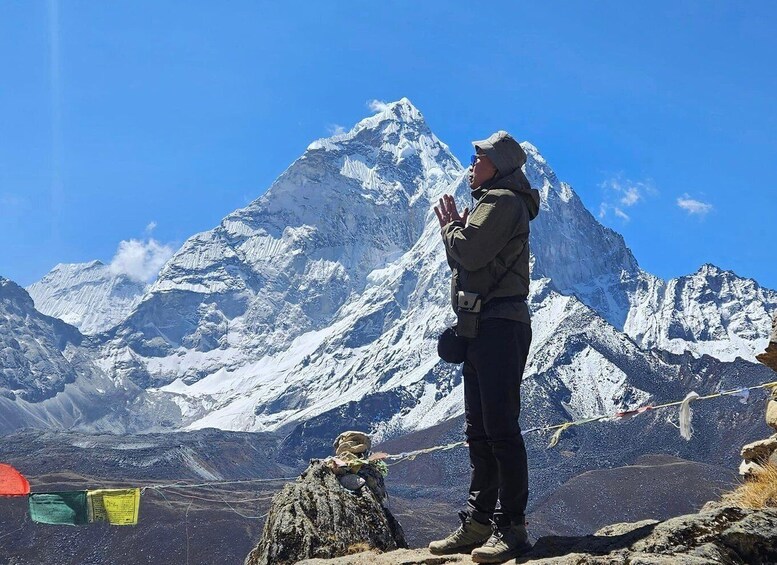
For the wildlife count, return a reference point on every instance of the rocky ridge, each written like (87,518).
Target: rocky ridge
(725,534)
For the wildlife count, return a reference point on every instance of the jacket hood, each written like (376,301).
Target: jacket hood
(508,157)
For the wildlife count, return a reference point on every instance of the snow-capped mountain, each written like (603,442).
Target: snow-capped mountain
(322,300)
(711,312)
(47,377)
(86,295)
(332,287)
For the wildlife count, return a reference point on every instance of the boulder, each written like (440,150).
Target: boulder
(748,469)
(726,535)
(771,413)
(769,357)
(759,451)
(316,516)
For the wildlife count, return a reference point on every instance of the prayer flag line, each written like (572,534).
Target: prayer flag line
(115,506)
(120,506)
(743,394)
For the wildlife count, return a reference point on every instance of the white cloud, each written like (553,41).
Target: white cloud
(140,260)
(335,129)
(620,193)
(631,196)
(693,206)
(377,105)
(151,226)
(621,214)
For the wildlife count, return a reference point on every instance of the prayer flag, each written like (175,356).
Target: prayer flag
(118,507)
(59,507)
(12,482)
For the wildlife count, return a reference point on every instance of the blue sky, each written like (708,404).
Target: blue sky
(152,120)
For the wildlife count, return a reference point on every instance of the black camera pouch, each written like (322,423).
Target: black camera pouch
(451,347)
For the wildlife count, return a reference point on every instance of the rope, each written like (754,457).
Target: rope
(180,484)
(559,429)
(221,499)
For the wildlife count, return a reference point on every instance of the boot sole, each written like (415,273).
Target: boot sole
(466,549)
(517,552)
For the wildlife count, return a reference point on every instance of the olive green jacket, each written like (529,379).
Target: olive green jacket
(495,239)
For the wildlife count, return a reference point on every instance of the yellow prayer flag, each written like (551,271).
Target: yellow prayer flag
(118,507)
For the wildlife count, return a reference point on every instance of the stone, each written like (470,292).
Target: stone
(759,451)
(726,534)
(771,413)
(316,517)
(748,469)
(769,357)
(622,528)
(351,481)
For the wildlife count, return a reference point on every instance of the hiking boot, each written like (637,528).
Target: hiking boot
(506,542)
(468,536)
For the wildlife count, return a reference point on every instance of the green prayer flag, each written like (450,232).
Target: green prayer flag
(59,507)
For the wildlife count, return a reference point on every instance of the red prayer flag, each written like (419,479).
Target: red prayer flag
(12,482)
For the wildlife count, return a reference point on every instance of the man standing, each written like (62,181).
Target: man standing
(488,253)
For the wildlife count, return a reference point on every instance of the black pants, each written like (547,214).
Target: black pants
(492,372)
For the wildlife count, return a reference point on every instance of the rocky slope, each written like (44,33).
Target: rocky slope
(48,378)
(719,535)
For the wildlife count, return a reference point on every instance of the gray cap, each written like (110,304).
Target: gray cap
(505,153)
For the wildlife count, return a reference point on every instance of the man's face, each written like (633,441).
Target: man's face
(482,171)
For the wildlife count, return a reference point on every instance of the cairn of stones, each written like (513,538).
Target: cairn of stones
(337,507)
(763,452)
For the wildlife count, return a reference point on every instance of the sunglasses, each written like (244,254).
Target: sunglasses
(472,160)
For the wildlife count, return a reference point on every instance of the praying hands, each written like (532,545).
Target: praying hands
(446,211)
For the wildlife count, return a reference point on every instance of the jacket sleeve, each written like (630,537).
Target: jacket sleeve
(488,230)
(452,263)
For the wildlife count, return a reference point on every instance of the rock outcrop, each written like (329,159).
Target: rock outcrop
(769,357)
(322,516)
(758,454)
(723,534)
(771,411)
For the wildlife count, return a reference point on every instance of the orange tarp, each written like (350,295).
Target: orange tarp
(12,483)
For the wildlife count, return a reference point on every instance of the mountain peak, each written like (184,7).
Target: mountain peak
(710,270)
(391,116)
(395,145)
(87,295)
(402,110)
(11,291)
